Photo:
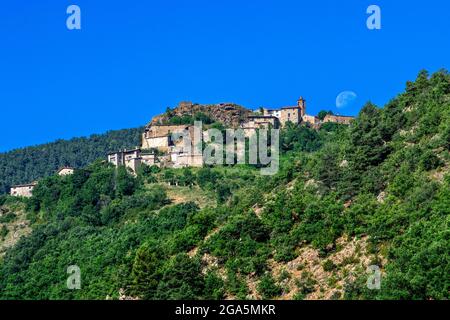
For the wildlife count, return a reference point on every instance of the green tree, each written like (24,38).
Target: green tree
(146,272)
(267,287)
(323,113)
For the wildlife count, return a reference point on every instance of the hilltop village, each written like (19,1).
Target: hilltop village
(159,148)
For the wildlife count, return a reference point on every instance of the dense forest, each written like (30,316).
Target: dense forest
(376,192)
(29,164)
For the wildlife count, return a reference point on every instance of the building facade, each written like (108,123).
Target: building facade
(128,158)
(23,190)
(293,114)
(160,136)
(312,120)
(261,122)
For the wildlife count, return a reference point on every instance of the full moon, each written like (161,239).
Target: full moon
(345,99)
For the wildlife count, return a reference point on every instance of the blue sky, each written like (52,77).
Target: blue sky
(132,59)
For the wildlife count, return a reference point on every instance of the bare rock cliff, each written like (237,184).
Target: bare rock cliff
(229,114)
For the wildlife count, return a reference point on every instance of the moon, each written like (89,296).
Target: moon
(345,99)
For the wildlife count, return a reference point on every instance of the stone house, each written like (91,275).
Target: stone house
(261,122)
(23,190)
(292,114)
(160,136)
(313,120)
(64,171)
(129,158)
(255,122)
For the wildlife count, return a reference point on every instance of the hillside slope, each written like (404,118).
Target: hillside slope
(31,163)
(374,193)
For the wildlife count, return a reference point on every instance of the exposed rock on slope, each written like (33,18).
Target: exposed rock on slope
(229,114)
(15,225)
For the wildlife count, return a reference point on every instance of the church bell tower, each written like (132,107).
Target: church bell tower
(301,103)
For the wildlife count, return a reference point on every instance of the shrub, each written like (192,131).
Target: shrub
(429,161)
(267,287)
(305,284)
(328,265)
(214,286)
(3,232)
(7,218)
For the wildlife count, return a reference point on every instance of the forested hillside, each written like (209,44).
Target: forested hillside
(376,193)
(28,164)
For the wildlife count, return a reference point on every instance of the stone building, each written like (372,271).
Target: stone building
(64,171)
(148,158)
(169,142)
(297,114)
(160,136)
(312,120)
(255,122)
(129,158)
(338,119)
(23,190)
(261,122)
(272,113)
(292,114)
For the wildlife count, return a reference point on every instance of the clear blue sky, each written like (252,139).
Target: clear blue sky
(132,59)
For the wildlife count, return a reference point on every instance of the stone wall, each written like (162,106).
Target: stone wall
(189,160)
(160,143)
(133,164)
(148,159)
(160,137)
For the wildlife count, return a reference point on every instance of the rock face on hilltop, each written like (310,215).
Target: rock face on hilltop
(229,114)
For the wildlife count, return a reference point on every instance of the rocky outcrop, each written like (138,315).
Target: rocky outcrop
(230,114)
